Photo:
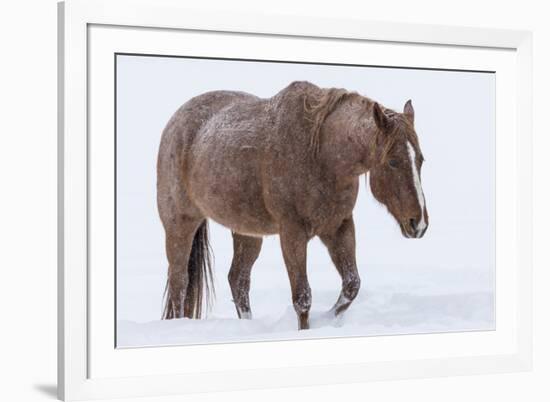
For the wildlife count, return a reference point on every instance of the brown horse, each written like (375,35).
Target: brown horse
(287,165)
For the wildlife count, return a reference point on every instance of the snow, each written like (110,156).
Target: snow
(392,301)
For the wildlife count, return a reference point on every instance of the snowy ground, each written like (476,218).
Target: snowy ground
(393,300)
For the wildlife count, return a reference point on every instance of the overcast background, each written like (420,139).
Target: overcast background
(455,259)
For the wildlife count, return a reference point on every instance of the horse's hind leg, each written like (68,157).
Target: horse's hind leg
(341,247)
(179,240)
(245,252)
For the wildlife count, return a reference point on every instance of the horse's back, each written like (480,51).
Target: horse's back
(225,165)
(177,138)
(187,125)
(210,161)
(196,112)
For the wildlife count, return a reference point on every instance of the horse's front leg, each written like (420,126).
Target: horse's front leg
(294,246)
(245,252)
(341,247)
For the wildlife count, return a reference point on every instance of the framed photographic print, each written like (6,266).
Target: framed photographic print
(257,201)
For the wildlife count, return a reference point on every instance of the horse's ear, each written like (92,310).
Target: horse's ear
(408,111)
(380,117)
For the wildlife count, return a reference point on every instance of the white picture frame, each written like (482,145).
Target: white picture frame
(90,367)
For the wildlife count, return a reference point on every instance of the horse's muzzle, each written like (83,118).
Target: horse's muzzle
(411,230)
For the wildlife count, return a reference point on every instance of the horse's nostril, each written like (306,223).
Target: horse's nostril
(412,222)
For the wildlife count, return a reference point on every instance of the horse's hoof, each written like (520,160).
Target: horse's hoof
(246,315)
(303,322)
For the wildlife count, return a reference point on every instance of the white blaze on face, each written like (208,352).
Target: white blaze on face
(417,186)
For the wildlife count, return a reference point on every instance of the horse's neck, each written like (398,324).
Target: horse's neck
(358,144)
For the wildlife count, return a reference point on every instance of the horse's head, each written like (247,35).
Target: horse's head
(395,173)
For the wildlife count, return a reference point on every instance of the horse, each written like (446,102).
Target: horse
(288,165)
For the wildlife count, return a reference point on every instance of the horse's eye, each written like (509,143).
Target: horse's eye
(394,163)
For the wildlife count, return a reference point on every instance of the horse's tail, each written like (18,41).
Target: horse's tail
(200,287)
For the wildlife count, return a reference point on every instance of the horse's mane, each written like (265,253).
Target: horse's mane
(318,105)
